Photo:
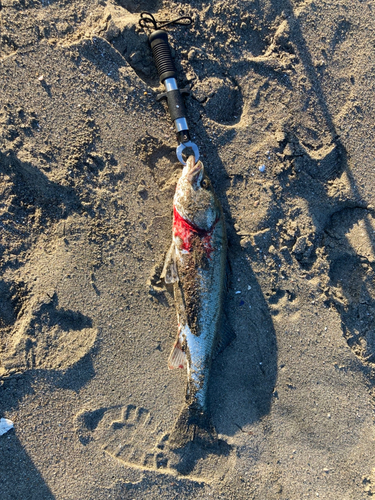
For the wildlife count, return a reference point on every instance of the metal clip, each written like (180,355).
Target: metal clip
(184,145)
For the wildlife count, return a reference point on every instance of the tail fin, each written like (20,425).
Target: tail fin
(193,425)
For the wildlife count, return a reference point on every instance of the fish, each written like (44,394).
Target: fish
(196,264)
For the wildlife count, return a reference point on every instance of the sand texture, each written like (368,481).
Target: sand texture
(282,108)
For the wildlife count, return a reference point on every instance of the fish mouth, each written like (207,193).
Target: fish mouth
(194,171)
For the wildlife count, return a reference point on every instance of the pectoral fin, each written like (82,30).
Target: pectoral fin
(169,273)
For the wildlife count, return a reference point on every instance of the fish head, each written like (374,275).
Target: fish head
(195,199)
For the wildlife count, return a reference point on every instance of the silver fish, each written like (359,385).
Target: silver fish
(196,265)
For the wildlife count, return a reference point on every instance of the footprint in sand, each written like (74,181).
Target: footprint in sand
(350,246)
(45,337)
(131,435)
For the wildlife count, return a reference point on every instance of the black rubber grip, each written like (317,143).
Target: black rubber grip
(175,104)
(162,55)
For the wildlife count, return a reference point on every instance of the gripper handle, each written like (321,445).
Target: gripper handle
(162,55)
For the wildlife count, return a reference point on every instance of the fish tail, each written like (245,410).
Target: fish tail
(193,425)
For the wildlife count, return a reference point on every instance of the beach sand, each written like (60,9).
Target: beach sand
(281,107)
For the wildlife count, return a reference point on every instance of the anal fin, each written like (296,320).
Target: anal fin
(177,358)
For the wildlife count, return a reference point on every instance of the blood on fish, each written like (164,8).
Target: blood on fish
(185,230)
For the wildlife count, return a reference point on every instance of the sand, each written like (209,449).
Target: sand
(282,108)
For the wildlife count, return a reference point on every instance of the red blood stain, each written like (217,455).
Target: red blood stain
(185,230)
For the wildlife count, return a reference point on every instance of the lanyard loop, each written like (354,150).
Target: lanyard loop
(148,19)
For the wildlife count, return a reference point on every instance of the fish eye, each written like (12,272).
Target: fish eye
(205,183)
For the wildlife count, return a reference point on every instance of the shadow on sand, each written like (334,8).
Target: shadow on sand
(19,478)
